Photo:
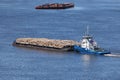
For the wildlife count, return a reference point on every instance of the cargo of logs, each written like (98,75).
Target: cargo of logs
(63,45)
(55,6)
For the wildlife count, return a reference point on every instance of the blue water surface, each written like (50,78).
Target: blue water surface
(18,18)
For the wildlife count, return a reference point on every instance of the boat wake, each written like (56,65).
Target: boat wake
(77,8)
(112,55)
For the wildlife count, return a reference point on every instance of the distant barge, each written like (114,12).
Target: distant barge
(55,6)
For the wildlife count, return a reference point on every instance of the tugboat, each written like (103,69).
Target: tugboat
(89,46)
(55,6)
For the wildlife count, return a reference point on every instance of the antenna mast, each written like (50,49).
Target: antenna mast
(87,33)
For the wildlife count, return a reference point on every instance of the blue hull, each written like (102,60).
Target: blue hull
(85,51)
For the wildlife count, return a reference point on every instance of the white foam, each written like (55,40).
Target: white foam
(77,8)
(112,55)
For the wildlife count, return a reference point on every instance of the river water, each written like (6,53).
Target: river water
(18,18)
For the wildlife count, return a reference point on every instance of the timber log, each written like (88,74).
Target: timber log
(63,45)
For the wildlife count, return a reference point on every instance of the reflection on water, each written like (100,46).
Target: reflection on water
(87,59)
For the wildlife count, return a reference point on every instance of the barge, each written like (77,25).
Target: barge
(55,6)
(44,43)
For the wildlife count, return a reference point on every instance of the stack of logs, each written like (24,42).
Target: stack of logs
(46,43)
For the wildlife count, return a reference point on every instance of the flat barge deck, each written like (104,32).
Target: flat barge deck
(44,43)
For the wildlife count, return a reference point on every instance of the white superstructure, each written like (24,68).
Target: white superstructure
(88,42)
